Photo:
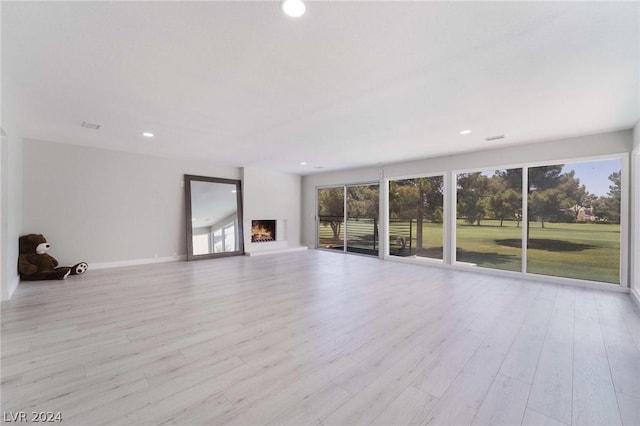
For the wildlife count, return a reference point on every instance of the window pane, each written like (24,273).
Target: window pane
(574,220)
(416,217)
(201,244)
(229,238)
(362,219)
(488,228)
(331,218)
(217,241)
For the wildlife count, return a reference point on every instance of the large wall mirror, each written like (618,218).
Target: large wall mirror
(214,217)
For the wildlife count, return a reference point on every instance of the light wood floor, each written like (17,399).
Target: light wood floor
(318,338)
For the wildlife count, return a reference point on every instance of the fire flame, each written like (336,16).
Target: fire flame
(260,232)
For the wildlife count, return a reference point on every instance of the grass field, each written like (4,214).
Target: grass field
(572,250)
(481,245)
(592,252)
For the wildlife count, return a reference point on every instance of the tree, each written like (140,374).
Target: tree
(331,209)
(363,201)
(506,195)
(543,177)
(418,199)
(544,204)
(506,204)
(541,186)
(608,207)
(575,194)
(615,190)
(472,197)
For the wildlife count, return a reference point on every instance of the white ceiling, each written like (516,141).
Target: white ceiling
(349,84)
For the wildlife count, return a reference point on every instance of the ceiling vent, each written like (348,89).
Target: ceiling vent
(88,125)
(494,138)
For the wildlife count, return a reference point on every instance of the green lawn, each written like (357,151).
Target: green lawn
(431,239)
(360,237)
(592,252)
(573,250)
(488,245)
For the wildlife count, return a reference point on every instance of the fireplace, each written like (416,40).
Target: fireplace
(263,231)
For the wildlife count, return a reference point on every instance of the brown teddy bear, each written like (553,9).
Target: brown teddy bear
(35,264)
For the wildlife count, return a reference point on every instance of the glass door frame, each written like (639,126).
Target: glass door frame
(445,216)
(381,246)
(624,158)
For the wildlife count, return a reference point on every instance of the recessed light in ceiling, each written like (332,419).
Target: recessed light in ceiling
(293,8)
(234,191)
(88,125)
(147,134)
(465,132)
(304,163)
(494,138)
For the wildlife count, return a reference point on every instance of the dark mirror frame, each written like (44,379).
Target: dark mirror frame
(187,204)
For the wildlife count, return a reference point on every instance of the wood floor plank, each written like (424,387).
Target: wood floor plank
(463,399)
(629,410)
(594,396)
(504,404)
(552,390)
(198,413)
(317,338)
(369,402)
(451,359)
(409,408)
(522,359)
(533,418)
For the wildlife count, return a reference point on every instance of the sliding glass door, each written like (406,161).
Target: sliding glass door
(571,228)
(348,219)
(362,219)
(416,215)
(562,219)
(331,218)
(488,221)
(574,220)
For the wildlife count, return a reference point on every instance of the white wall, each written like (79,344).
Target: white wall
(10,194)
(105,206)
(11,211)
(635,213)
(270,195)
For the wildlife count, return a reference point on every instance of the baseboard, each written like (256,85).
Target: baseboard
(635,296)
(136,262)
(276,251)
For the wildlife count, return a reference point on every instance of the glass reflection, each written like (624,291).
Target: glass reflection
(214,217)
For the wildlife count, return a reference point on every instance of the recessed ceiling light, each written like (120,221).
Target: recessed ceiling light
(303,163)
(234,191)
(147,134)
(293,8)
(465,132)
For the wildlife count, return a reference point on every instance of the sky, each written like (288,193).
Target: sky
(592,174)
(595,174)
